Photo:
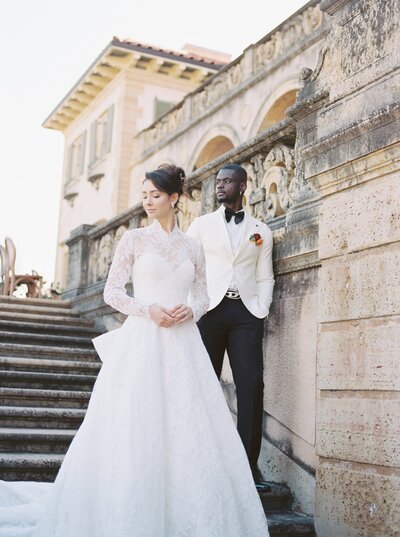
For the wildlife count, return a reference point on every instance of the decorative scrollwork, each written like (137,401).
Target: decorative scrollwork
(270,179)
(190,208)
(293,31)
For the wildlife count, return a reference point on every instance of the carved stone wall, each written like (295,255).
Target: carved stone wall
(273,185)
(348,142)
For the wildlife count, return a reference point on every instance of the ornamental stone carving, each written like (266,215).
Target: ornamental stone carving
(255,193)
(271,182)
(279,167)
(92,272)
(292,32)
(168,124)
(190,208)
(102,252)
(118,234)
(217,89)
(104,256)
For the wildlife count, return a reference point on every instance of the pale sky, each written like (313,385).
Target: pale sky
(46,46)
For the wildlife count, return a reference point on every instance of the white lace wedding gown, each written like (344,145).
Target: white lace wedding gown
(157,454)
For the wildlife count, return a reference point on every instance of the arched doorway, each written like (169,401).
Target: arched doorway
(213,149)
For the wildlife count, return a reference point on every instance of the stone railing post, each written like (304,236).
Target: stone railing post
(208,197)
(78,261)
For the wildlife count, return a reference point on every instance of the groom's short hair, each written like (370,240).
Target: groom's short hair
(239,171)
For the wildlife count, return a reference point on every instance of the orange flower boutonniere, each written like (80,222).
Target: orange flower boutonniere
(257,239)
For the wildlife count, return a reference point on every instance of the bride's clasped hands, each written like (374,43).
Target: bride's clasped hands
(166,317)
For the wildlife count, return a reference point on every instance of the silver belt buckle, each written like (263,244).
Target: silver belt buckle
(232,294)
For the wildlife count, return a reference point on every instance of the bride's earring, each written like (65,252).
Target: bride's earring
(173,205)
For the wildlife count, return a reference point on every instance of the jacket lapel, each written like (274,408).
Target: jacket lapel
(250,226)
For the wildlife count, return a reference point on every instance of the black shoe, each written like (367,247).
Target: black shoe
(261,485)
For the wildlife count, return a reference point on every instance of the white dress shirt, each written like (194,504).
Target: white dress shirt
(235,232)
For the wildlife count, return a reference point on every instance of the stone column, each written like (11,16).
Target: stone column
(348,117)
(78,261)
(208,197)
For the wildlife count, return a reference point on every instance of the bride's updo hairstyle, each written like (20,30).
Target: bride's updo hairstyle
(167,178)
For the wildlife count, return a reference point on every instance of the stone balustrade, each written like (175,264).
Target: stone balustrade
(256,62)
(275,190)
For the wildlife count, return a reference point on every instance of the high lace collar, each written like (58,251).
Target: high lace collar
(158,227)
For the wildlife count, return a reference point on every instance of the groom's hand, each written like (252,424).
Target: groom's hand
(182,313)
(161,316)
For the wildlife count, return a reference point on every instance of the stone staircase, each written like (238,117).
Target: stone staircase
(48,367)
(47,370)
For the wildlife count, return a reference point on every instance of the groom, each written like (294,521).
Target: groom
(240,282)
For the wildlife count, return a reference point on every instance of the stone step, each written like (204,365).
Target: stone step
(49,381)
(61,353)
(45,339)
(46,310)
(30,466)
(279,497)
(44,398)
(33,440)
(43,418)
(16,363)
(39,302)
(41,318)
(290,524)
(15,325)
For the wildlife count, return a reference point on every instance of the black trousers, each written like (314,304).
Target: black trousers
(231,327)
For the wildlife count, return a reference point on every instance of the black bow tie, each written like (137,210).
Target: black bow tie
(238,216)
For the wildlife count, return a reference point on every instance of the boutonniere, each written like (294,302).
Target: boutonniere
(256,238)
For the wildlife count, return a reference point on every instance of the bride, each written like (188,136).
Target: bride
(157,454)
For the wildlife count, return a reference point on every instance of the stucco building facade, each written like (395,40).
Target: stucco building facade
(126,88)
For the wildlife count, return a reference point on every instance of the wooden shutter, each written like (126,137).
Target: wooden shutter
(68,172)
(93,134)
(161,108)
(109,129)
(81,154)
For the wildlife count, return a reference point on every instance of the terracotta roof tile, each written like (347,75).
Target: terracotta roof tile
(177,53)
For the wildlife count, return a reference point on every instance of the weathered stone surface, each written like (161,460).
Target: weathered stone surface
(360,426)
(360,355)
(358,68)
(357,501)
(364,32)
(361,137)
(360,218)
(78,260)
(364,284)
(289,443)
(353,172)
(208,198)
(290,353)
(275,466)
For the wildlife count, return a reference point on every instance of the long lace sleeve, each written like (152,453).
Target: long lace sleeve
(120,273)
(199,300)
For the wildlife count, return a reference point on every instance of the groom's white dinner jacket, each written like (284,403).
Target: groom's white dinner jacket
(251,266)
